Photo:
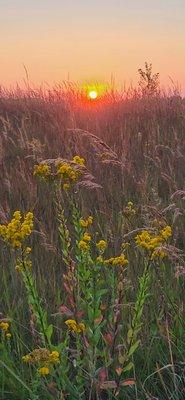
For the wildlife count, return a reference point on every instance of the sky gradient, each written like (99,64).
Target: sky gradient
(87,40)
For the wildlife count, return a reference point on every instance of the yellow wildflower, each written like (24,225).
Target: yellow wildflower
(43,357)
(74,326)
(26,358)
(17,215)
(155,242)
(18,268)
(79,160)
(67,173)
(66,186)
(84,246)
(151,242)
(42,170)
(16,231)
(86,237)
(129,210)
(143,239)
(54,357)
(28,250)
(166,232)
(40,355)
(109,261)
(8,335)
(43,371)
(81,327)
(99,260)
(4,326)
(119,260)
(71,323)
(86,222)
(90,220)
(101,245)
(73,175)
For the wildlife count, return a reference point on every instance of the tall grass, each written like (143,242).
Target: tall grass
(135,151)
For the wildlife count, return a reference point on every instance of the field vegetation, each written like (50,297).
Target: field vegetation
(92,222)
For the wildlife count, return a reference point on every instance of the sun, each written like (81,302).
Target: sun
(94,91)
(93,94)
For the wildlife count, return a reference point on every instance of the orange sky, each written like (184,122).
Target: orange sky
(82,39)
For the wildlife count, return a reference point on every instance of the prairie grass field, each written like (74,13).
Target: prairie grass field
(92,223)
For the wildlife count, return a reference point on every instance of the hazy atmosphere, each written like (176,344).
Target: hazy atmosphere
(82,39)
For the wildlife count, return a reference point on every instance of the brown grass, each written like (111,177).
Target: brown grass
(134,147)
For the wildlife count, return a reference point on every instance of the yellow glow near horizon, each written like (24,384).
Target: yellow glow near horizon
(93,94)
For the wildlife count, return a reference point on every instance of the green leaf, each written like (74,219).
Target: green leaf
(101,292)
(49,331)
(133,348)
(129,335)
(128,367)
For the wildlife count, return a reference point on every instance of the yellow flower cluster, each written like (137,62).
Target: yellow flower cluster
(4,326)
(78,160)
(152,242)
(99,260)
(44,357)
(129,210)
(67,172)
(85,223)
(43,371)
(166,232)
(66,186)
(119,260)
(83,245)
(18,229)
(42,170)
(114,261)
(148,241)
(86,237)
(101,245)
(74,326)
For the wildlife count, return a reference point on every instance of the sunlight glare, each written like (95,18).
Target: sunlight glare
(93,94)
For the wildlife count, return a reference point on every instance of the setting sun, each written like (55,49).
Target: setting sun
(93,94)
